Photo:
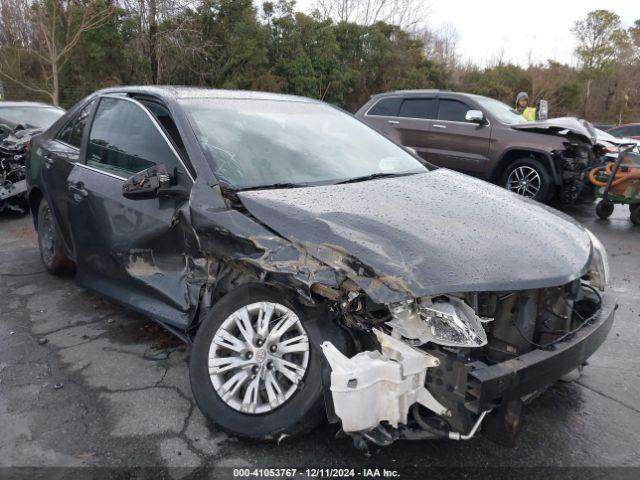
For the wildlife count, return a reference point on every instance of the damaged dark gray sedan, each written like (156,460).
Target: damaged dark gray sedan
(319,270)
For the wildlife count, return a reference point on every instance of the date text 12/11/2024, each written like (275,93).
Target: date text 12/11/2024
(315,473)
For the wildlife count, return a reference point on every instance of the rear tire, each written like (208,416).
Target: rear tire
(49,242)
(529,178)
(604,209)
(297,410)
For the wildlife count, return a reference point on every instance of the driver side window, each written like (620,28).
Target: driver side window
(452,110)
(124,140)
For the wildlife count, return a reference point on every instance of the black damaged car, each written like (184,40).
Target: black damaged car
(317,269)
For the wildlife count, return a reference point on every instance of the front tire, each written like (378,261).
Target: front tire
(529,178)
(255,370)
(49,242)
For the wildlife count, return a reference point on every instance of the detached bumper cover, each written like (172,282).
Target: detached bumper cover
(490,386)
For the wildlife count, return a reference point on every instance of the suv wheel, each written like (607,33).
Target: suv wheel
(530,178)
(49,240)
(254,367)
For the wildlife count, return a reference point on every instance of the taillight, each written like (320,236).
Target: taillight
(27,147)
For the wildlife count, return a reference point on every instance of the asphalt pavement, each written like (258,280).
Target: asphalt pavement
(86,383)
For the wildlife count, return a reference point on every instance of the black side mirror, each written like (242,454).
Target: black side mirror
(151,183)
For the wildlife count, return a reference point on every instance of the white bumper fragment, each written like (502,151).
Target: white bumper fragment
(13,189)
(372,387)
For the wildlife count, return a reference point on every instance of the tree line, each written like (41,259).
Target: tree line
(341,52)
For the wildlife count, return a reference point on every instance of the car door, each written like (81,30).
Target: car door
(383,115)
(456,143)
(59,154)
(413,127)
(130,250)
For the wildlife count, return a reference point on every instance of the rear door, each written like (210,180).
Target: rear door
(59,154)
(383,115)
(405,120)
(456,143)
(414,124)
(130,250)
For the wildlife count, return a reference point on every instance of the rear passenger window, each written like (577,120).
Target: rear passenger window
(124,140)
(630,131)
(387,107)
(622,131)
(72,132)
(419,108)
(452,110)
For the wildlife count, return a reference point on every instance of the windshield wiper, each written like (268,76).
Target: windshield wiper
(373,176)
(272,186)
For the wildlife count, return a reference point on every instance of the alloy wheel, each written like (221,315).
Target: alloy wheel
(258,357)
(524,180)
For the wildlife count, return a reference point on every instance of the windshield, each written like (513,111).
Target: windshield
(501,111)
(254,143)
(30,117)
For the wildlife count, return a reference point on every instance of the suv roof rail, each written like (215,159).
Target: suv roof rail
(415,90)
(420,90)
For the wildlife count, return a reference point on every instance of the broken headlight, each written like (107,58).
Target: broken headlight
(452,322)
(444,320)
(598,273)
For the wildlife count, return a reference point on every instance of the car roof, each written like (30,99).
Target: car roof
(184,92)
(6,103)
(418,92)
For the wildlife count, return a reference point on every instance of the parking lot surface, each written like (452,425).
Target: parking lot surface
(84,382)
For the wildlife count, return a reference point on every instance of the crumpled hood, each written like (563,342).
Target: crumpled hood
(426,234)
(17,140)
(561,126)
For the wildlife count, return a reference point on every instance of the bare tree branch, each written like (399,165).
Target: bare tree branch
(31,28)
(408,14)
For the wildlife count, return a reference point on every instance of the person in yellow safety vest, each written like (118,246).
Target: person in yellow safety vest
(523,108)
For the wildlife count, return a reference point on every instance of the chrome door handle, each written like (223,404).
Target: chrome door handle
(393,122)
(437,125)
(48,160)
(77,189)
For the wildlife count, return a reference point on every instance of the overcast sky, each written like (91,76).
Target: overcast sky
(539,29)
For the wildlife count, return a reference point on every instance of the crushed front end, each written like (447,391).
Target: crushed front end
(574,163)
(571,160)
(446,366)
(13,185)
